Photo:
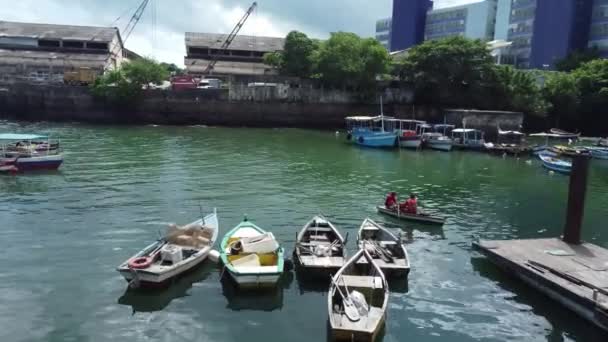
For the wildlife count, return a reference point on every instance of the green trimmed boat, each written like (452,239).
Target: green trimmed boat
(252,256)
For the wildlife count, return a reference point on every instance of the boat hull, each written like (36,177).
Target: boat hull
(255,280)
(407,142)
(555,165)
(440,145)
(314,271)
(49,162)
(148,279)
(599,153)
(410,217)
(338,334)
(375,140)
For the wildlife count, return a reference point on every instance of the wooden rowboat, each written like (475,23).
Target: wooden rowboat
(411,217)
(179,251)
(358,299)
(320,248)
(388,250)
(252,256)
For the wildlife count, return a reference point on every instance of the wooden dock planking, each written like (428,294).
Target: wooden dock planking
(565,272)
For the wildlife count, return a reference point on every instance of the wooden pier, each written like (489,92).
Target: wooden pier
(572,272)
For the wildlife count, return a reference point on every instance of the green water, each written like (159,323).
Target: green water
(63,233)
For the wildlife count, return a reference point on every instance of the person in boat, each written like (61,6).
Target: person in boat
(391,200)
(410,206)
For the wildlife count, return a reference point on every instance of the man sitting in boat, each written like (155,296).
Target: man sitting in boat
(391,200)
(410,206)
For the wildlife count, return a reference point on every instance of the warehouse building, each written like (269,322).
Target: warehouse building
(244,56)
(44,52)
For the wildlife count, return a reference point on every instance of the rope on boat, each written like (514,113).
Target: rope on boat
(135,282)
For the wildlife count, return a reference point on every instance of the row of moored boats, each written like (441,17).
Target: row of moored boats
(253,258)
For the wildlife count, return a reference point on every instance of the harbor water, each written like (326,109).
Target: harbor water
(63,233)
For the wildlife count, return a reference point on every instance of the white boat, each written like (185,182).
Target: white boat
(468,138)
(320,248)
(439,139)
(252,256)
(388,250)
(179,251)
(357,300)
(408,134)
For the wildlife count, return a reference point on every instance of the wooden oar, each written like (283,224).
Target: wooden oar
(350,310)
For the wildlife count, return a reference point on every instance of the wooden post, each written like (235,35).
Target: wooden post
(576,199)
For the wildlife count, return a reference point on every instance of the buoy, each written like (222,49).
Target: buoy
(529,162)
(337,133)
(551,172)
(288,264)
(214,256)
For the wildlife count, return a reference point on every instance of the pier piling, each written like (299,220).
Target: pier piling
(576,200)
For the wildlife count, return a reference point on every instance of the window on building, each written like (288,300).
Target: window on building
(198,51)
(241,53)
(48,43)
(73,44)
(97,46)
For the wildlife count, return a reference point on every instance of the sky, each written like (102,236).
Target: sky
(160,32)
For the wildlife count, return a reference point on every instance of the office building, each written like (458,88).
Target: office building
(244,56)
(546,31)
(408,21)
(43,52)
(598,35)
(475,20)
(383,32)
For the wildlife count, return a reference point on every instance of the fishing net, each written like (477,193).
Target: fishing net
(196,236)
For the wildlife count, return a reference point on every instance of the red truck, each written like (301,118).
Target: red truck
(183,82)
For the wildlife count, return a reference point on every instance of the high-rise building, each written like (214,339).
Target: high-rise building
(475,20)
(545,31)
(407,27)
(383,32)
(503,13)
(598,35)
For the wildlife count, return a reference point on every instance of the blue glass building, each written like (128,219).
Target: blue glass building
(598,35)
(409,18)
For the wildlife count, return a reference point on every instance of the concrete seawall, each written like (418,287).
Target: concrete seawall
(281,105)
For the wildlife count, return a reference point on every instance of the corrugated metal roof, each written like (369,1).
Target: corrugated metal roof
(50,55)
(240,42)
(50,31)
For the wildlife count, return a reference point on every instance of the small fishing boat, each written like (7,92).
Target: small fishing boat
(569,151)
(409,133)
(420,217)
(29,152)
(439,140)
(179,251)
(556,164)
(252,256)
(561,134)
(357,300)
(602,142)
(598,152)
(371,131)
(388,250)
(468,138)
(320,248)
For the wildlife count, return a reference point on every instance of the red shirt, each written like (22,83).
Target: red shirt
(410,206)
(390,202)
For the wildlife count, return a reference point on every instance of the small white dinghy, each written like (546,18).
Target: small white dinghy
(388,250)
(179,251)
(357,300)
(320,248)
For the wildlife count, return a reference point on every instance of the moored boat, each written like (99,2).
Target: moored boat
(251,256)
(569,151)
(439,140)
(561,134)
(179,251)
(30,152)
(468,138)
(420,217)
(409,134)
(320,248)
(556,164)
(357,300)
(598,152)
(371,131)
(388,250)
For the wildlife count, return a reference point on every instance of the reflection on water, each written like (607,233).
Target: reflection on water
(150,300)
(265,299)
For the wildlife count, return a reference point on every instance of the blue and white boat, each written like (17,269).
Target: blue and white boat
(376,131)
(556,164)
(29,152)
(598,152)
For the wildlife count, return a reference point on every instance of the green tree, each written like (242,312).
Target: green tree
(577,58)
(443,70)
(346,59)
(297,57)
(520,89)
(173,69)
(592,82)
(274,59)
(145,71)
(562,93)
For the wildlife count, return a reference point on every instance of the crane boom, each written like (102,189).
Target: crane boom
(134,20)
(230,38)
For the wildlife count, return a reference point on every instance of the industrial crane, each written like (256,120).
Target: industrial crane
(229,39)
(134,20)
